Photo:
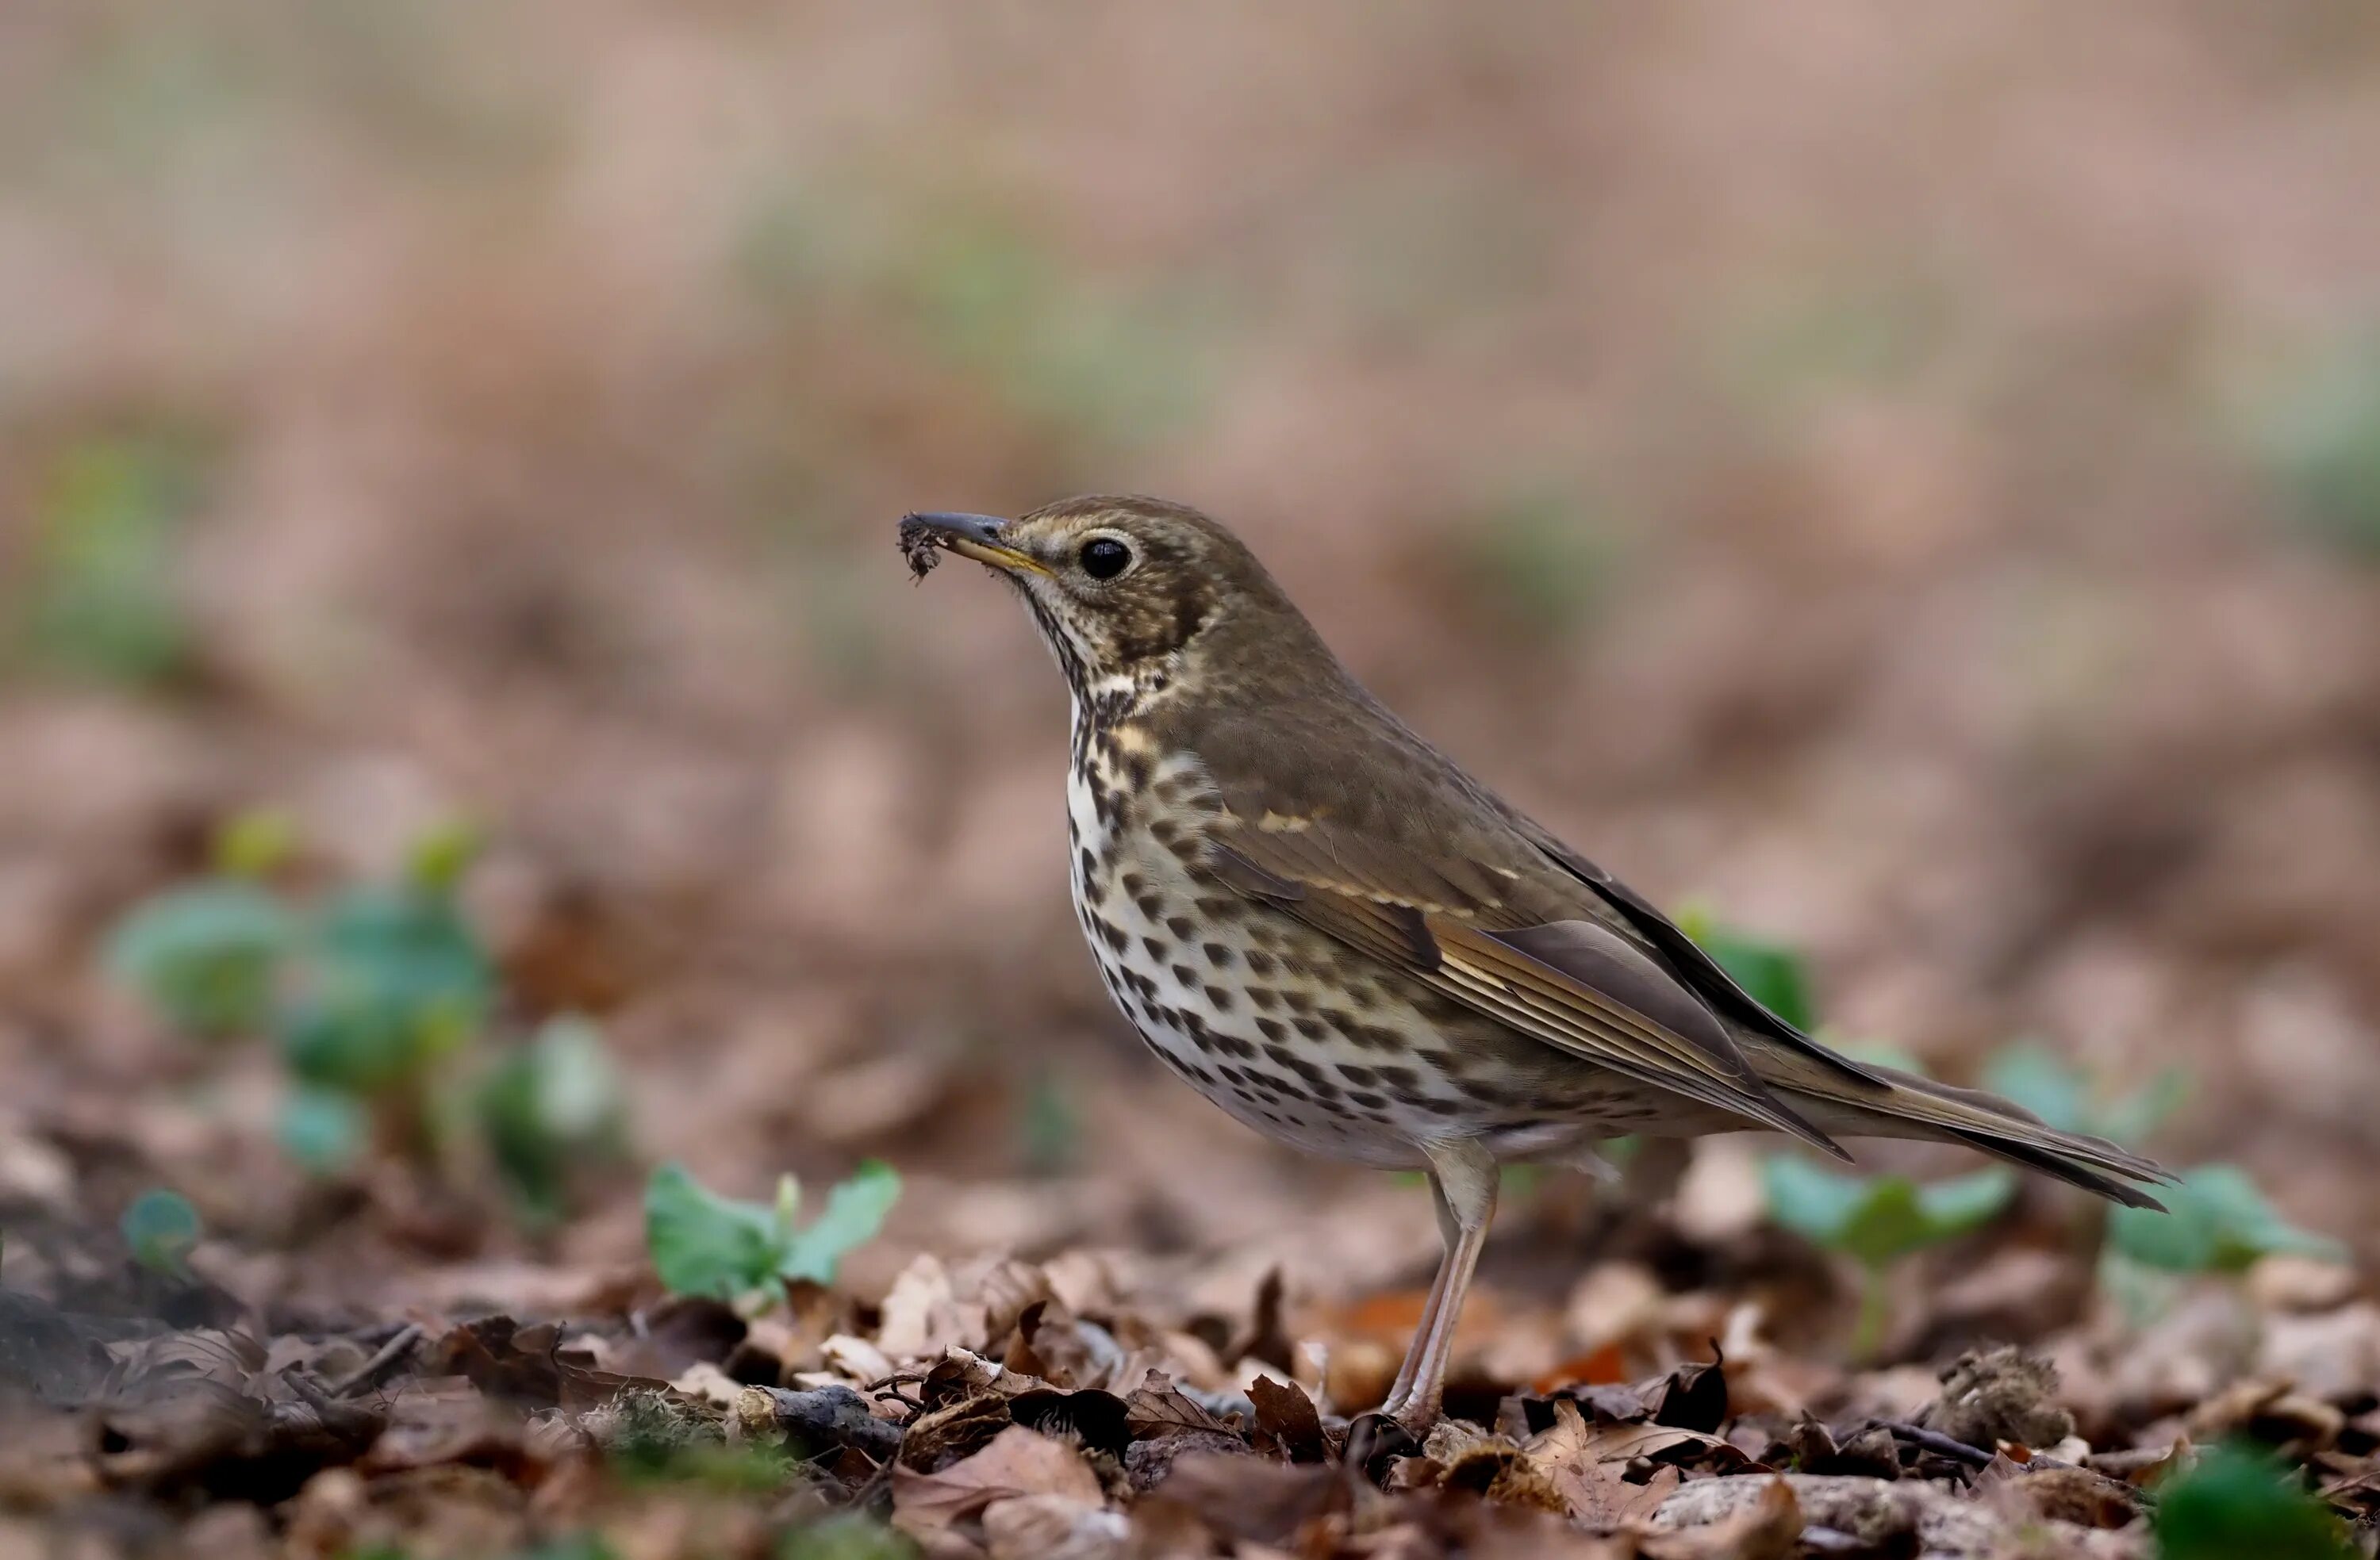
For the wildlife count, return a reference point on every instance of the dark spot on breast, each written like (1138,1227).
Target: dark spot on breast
(1233,1046)
(1217,954)
(1271,1029)
(1367,1101)
(1150,905)
(1401,1079)
(1260,963)
(1135,884)
(1299,1002)
(1311,1028)
(1156,948)
(1264,996)
(1114,935)
(1086,864)
(1295,1063)
(1358,1075)
(1180,925)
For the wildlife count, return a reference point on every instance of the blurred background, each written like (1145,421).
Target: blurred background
(1907,482)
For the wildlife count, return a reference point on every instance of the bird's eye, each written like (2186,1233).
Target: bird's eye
(1104,558)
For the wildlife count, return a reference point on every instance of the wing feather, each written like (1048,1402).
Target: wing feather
(1573,984)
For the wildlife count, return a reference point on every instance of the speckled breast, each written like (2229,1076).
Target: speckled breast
(1292,1033)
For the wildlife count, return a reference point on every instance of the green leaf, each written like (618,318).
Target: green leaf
(548,1105)
(255,844)
(436,862)
(102,595)
(705,1244)
(2215,1221)
(161,1228)
(205,957)
(1811,1200)
(393,978)
(2037,1078)
(2235,1502)
(1773,975)
(1876,1220)
(1965,1203)
(322,1130)
(855,1210)
(2145,1108)
(845,1536)
(702,1243)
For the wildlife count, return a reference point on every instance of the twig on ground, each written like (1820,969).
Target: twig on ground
(383,1363)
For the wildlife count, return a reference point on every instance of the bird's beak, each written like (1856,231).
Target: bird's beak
(969,536)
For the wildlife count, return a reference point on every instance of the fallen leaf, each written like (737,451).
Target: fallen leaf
(1157,1408)
(1770,1530)
(1017,1462)
(1286,1418)
(1054,1528)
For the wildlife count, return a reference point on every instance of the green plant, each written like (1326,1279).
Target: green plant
(1877,1220)
(2039,1080)
(161,1229)
(100,597)
(375,996)
(2215,1221)
(1775,976)
(846,1536)
(205,957)
(548,1106)
(1541,560)
(2319,438)
(2235,1502)
(702,1243)
(1873,1220)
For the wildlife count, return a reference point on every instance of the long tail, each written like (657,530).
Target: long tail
(1919,1107)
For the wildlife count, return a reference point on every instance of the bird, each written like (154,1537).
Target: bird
(1334,931)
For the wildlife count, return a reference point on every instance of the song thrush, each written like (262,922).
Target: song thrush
(1351,945)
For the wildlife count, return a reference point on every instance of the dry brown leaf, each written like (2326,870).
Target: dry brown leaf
(1770,1530)
(1017,1462)
(1566,1455)
(1286,1417)
(924,1315)
(1156,1407)
(1054,1528)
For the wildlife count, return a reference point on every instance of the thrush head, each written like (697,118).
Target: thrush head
(1120,586)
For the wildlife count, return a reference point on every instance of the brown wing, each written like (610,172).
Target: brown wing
(1405,859)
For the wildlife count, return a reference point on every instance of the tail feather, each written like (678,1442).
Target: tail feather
(1919,1107)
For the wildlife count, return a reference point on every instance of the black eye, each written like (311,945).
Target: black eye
(1104,558)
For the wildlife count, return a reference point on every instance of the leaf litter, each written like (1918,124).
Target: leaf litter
(999,1407)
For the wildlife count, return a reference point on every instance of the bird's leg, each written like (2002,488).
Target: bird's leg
(1462,1179)
(1448,1233)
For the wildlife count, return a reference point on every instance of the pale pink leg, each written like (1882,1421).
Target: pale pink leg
(1463,1177)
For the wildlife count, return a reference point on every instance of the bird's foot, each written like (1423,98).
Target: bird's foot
(1374,1441)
